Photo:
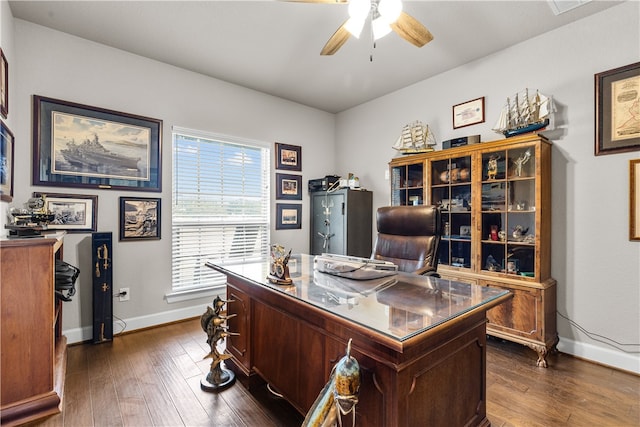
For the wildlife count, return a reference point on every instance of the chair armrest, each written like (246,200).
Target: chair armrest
(427,271)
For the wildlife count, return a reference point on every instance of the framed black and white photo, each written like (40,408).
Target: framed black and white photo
(617,95)
(468,113)
(288,216)
(4,85)
(7,143)
(288,187)
(288,157)
(139,218)
(74,213)
(77,145)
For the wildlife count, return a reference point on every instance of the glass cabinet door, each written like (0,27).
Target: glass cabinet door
(407,184)
(508,211)
(451,190)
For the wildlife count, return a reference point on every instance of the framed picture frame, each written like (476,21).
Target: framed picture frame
(468,113)
(288,216)
(74,213)
(4,85)
(288,157)
(7,143)
(288,187)
(634,200)
(77,145)
(617,94)
(140,218)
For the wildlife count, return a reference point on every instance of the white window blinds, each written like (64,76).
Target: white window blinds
(220,206)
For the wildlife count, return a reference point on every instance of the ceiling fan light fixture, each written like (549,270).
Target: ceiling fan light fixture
(355,26)
(390,10)
(359,9)
(380,27)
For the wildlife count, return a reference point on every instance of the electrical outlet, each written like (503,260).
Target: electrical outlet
(125,294)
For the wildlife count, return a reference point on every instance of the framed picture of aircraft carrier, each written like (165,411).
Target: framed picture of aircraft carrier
(77,145)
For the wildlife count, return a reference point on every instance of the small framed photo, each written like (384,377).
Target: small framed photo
(7,143)
(139,218)
(468,113)
(288,157)
(288,216)
(634,199)
(4,85)
(74,213)
(511,266)
(288,187)
(617,95)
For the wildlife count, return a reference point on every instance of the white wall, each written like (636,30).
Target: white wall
(595,264)
(6,42)
(61,66)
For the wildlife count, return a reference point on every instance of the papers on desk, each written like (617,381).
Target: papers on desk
(348,288)
(354,268)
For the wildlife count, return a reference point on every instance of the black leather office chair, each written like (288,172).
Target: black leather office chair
(409,236)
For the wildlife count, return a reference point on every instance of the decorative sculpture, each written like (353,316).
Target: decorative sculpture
(212,323)
(521,161)
(279,268)
(339,396)
(492,166)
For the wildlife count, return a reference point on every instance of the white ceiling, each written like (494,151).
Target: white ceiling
(274,46)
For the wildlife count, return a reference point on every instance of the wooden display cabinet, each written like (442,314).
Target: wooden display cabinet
(496,204)
(33,349)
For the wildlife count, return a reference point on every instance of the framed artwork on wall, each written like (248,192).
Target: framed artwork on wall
(7,143)
(634,199)
(617,118)
(77,145)
(4,85)
(288,187)
(288,157)
(139,218)
(468,113)
(288,216)
(74,213)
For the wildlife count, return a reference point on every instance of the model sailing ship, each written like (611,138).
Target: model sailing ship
(416,138)
(524,114)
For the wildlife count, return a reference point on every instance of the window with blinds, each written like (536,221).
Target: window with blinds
(220,206)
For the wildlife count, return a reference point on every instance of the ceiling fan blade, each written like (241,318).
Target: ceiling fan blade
(336,41)
(411,30)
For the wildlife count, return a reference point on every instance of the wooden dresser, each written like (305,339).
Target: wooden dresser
(33,351)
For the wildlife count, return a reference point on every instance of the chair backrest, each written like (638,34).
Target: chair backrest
(409,236)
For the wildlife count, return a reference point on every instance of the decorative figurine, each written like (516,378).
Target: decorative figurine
(339,396)
(493,235)
(278,268)
(519,232)
(492,166)
(212,322)
(520,161)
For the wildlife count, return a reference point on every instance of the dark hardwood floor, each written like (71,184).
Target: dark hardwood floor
(152,378)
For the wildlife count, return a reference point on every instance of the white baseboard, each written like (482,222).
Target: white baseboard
(609,357)
(77,335)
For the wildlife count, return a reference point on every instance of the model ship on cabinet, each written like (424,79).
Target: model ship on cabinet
(416,138)
(524,113)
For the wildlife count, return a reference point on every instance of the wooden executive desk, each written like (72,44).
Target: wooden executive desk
(420,341)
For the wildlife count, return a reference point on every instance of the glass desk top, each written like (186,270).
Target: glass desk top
(400,306)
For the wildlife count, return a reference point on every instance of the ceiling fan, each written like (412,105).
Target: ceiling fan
(385,15)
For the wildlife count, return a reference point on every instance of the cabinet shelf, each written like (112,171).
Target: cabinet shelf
(487,191)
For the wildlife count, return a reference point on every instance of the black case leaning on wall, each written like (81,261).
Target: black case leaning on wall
(102,273)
